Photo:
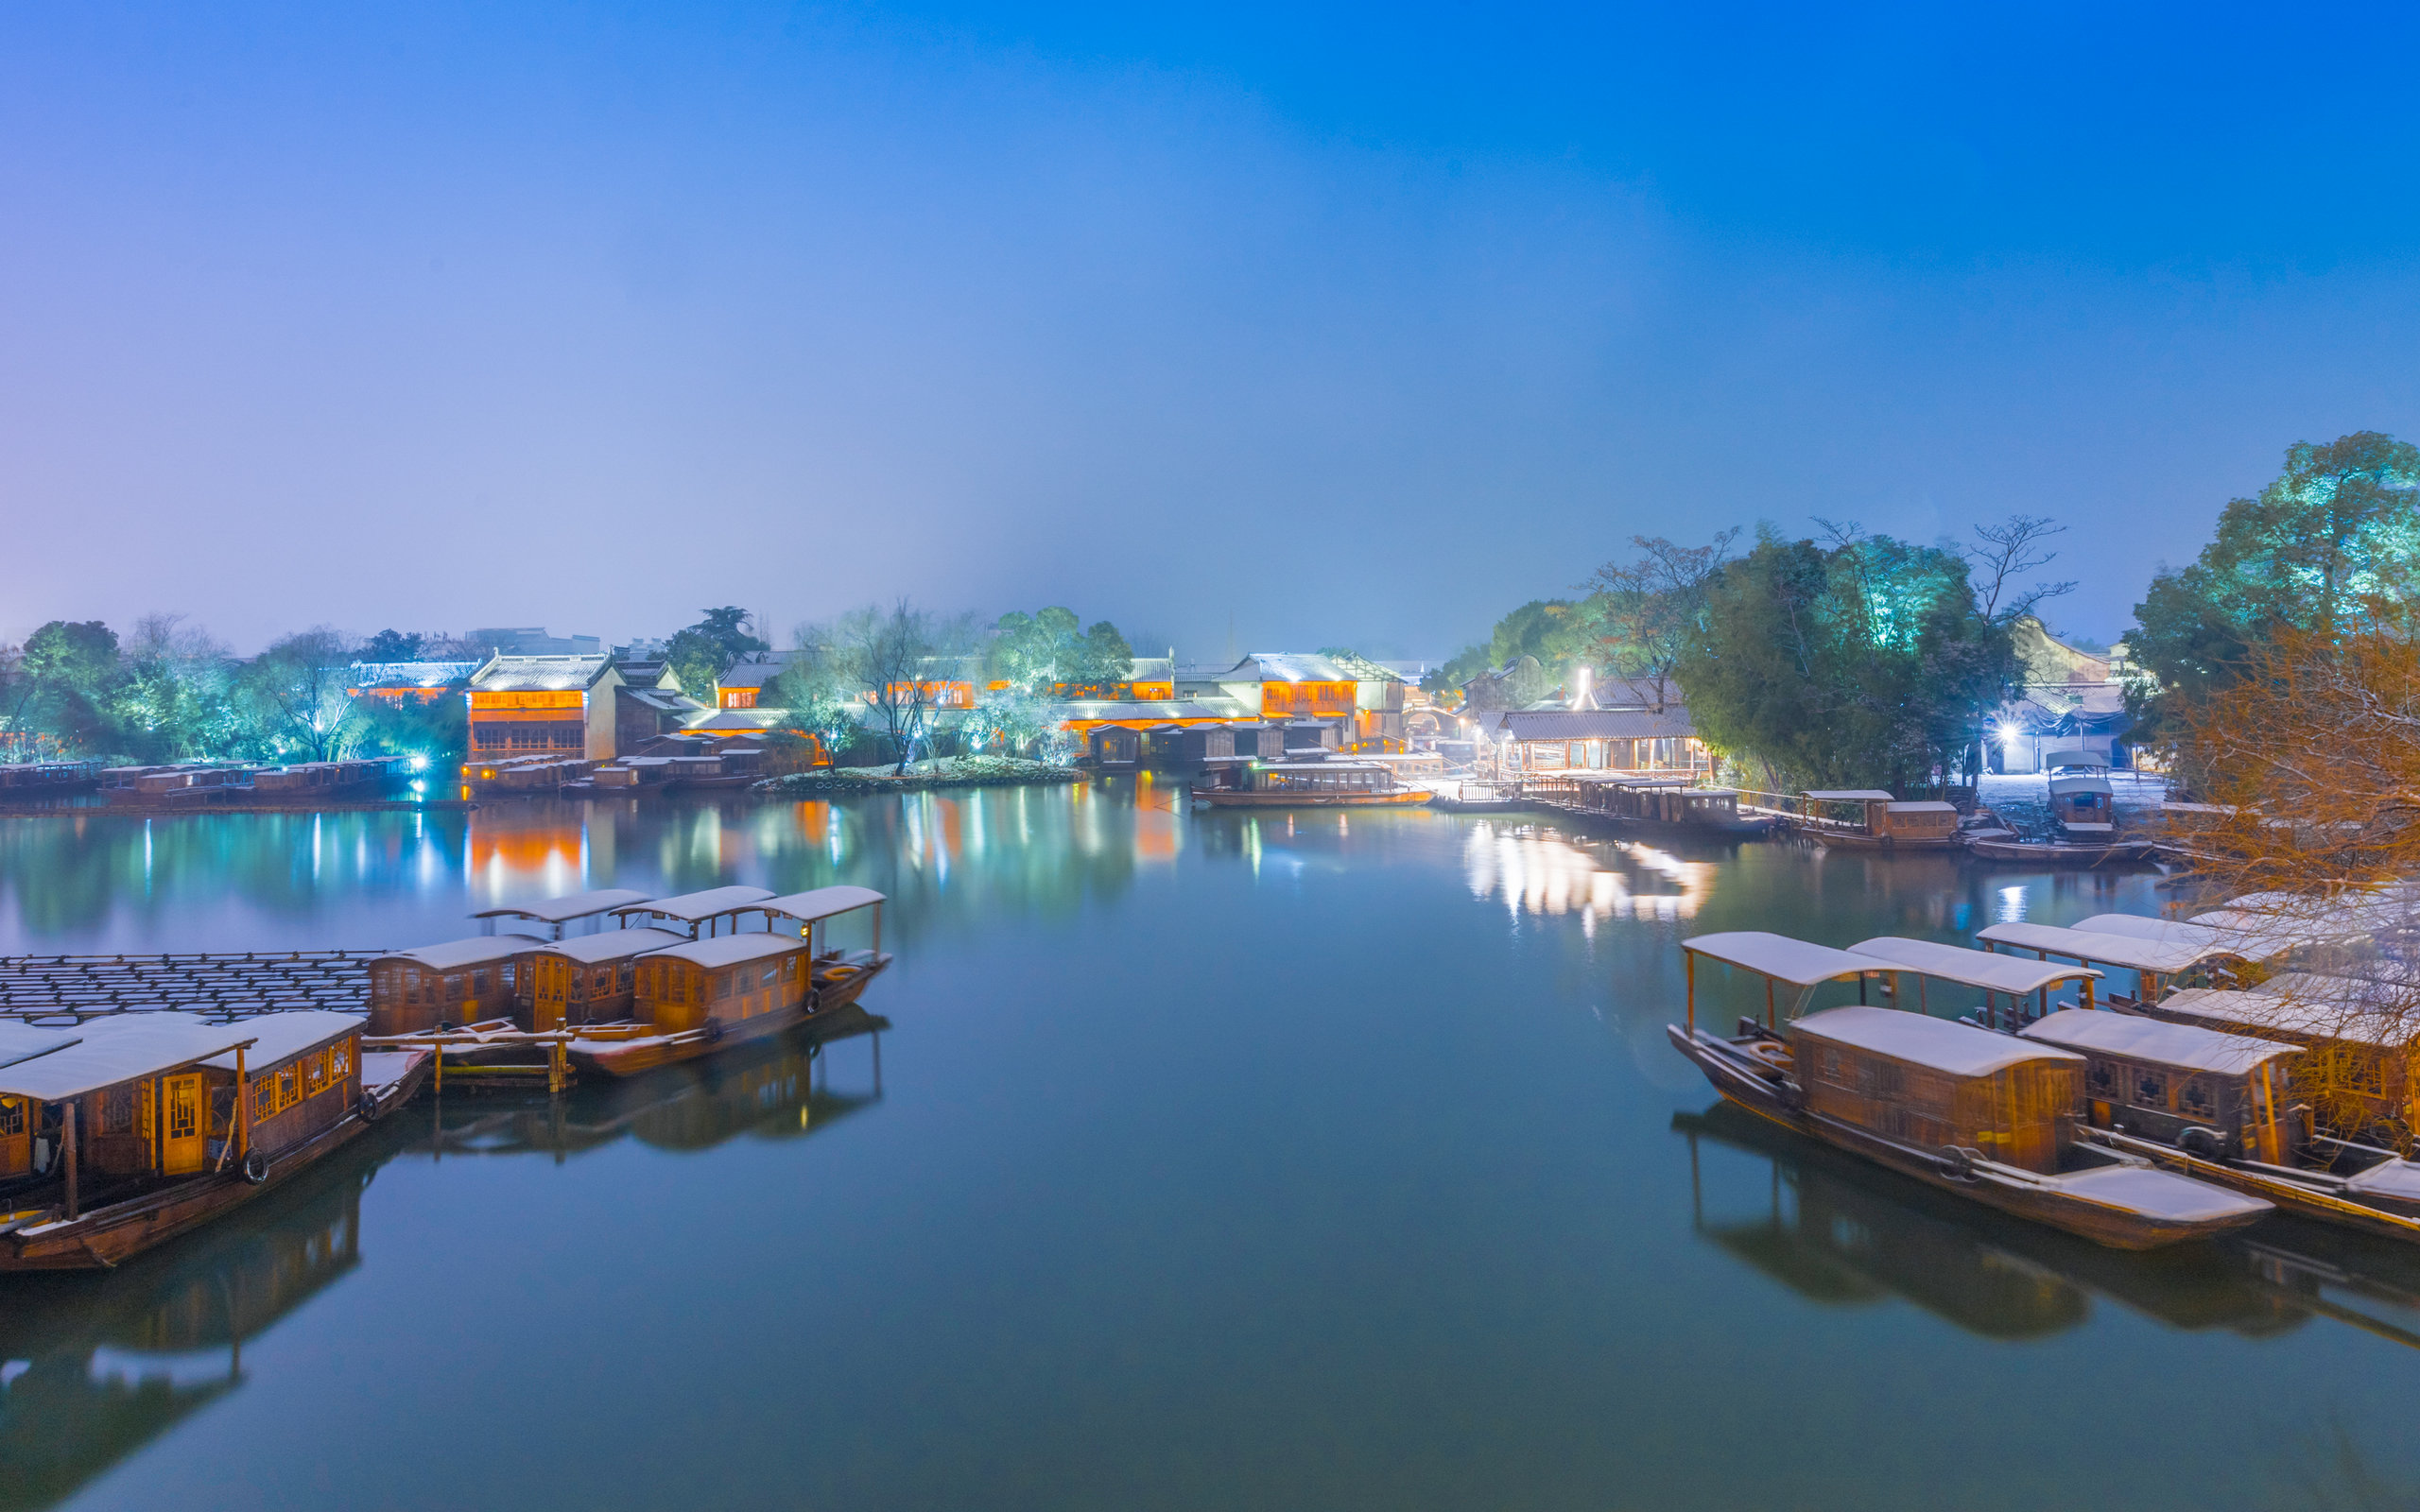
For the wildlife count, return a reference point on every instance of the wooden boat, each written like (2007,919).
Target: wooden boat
(2216,1107)
(2082,804)
(695,997)
(2059,853)
(1987,1116)
(1312,784)
(2375,1054)
(1668,805)
(1880,822)
(164,1122)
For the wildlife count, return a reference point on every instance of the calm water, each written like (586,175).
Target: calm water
(1210,1161)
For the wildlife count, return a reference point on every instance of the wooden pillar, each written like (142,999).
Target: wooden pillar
(1769,1003)
(1690,961)
(244,1103)
(67,1147)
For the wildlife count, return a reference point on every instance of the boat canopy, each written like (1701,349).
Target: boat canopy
(2074,758)
(695,907)
(1957,1049)
(730,950)
(2182,1045)
(1849,794)
(2135,954)
(612,944)
(822,903)
(458,954)
(1779,956)
(2135,926)
(567,907)
(22,1041)
(2011,974)
(2311,1021)
(278,1038)
(120,1048)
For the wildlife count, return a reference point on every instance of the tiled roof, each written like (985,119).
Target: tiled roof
(1551,725)
(540,673)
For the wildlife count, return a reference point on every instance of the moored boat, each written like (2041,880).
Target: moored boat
(1985,1115)
(1310,785)
(135,1128)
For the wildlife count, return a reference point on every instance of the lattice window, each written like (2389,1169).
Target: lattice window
(13,1117)
(339,1061)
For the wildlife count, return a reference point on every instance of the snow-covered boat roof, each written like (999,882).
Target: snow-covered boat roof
(2336,991)
(731,950)
(1981,968)
(569,906)
(2156,1194)
(2314,1021)
(2075,758)
(613,944)
(1849,794)
(1925,805)
(695,907)
(278,1038)
(822,903)
(2400,1179)
(2182,1045)
(2251,946)
(2134,952)
(1784,959)
(19,1040)
(1957,1049)
(121,1047)
(479,949)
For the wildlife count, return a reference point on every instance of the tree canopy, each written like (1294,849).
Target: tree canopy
(2327,545)
(700,654)
(1557,632)
(1035,652)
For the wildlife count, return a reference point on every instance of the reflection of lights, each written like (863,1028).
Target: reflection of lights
(1545,874)
(2010,906)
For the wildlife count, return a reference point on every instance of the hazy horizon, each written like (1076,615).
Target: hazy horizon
(1349,327)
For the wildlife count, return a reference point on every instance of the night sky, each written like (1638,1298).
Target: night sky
(1350,327)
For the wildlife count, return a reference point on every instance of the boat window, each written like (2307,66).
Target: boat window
(13,1117)
(479,984)
(722,985)
(772,974)
(315,1074)
(2150,1089)
(117,1110)
(2196,1096)
(2103,1075)
(340,1061)
(625,975)
(264,1098)
(289,1087)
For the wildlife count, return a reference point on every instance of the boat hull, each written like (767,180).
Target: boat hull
(631,1057)
(2042,854)
(2292,1195)
(2042,1200)
(1857,840)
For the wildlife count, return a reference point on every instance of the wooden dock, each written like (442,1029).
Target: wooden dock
(219,984)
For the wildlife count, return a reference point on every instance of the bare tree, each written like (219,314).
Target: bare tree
(1651,604)
(900,659)
(296,690)
(2007,551)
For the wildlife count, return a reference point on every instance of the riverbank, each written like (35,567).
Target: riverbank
(156,811)
(951,771)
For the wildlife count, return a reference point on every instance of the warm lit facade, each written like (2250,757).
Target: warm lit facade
(406,681)
(1364,699)
(544,705)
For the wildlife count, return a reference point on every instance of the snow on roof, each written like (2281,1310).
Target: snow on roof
(1849,794)
(19,1040)
(1981,969)
(1554,725)
(2136,926)
(2400,1179)
(1958,1049)
(731,950)
(2335,991)
(822,903)
(2156,1194)
(455,955)
(612,944)
(2301,1021)
(568,906)
(1784,959)
(2075,758)
(2182,1045)
(278,1038)
(121,1047)
(1924,806)
(2134,952)
(697,906)
(538,674)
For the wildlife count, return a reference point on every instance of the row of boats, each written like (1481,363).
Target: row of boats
(124,1129)
(2139,1120)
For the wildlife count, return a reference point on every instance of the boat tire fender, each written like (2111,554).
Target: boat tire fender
(712,1029)
(2206,1142)
(1957,1162)
(370,1109)
(255,1167)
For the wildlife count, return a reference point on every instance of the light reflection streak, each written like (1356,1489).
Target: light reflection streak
(1540,873)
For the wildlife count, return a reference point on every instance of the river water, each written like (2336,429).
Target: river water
(1208,1162)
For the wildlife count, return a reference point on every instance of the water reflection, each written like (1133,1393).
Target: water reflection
(1540,871)
(1838,1232)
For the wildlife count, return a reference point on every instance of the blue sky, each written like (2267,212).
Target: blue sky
(1347,326)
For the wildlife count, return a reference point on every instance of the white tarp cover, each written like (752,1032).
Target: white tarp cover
(278,1038)
(2180,1046)
(824,903)
(121,1047)
(2257,1010)
(2135,954)
(461,954)
(731,950)
(567,907)
(697,906)
(1958,1049)
(1981,968)
(613,944)
(1780,957)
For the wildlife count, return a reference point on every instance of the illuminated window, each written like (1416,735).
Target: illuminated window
(340,1061)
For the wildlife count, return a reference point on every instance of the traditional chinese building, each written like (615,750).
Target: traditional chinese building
(2071,699)
(1621,726)
(563,706)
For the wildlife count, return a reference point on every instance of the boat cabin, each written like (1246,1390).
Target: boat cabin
(2082,801)
(463,981)
(727,979)
(2366,1059)
(715,910)
(2158,963)
(1317,777)
(2164,1081)
(1664,800)
(1930,1085)
(1872,812)
(590,979)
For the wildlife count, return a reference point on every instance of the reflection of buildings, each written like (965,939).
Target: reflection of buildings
(1539,872)
(94,1368)
(1837,1231)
